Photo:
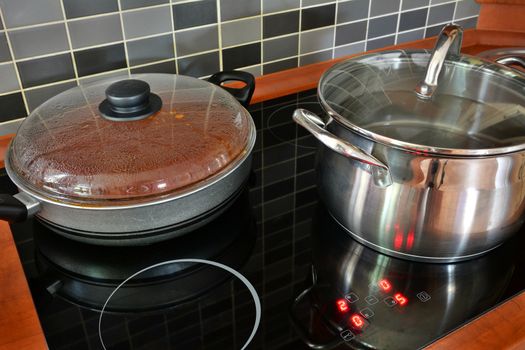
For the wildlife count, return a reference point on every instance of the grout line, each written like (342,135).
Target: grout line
(199,53)
(368,23)
(426,23)
(123,36)
(152,63)
(335,28)
(219,34)
(454,13)
(300,33)
(173,38)
(17,73)
(70,43)
(261,35)
(398,21)
(85,77)
(52,54)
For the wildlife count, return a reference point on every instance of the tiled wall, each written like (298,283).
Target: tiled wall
(47,46)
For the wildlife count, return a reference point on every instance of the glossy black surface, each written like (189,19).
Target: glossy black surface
(290,236)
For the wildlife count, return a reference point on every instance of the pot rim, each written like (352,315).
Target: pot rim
(482,65)
(140,201)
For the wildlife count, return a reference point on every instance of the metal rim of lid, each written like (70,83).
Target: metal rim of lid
(483,66)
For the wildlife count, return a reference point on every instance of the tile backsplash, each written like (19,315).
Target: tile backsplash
(48,46)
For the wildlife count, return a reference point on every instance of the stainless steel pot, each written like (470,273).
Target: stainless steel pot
(132,166)
(419,170)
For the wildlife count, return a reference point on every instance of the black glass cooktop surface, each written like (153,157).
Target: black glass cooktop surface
(274,265)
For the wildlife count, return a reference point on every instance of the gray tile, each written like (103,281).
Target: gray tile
(46,70)
(196,40)
(442,13)
(380,43)
(468,23)
(382,26)
(26,12)
(32,42)
(164,67)
(9,81)
(349,33)
(410,36)
(433,2)
(280,65)
(410,4)
(150,50)
(240,32)
(1,24)
(255,70)
(95,31)
(132,4)
(280,48)
(381,7)
(233,9)
(200,65)
(413,19)
(81,8)
(108,75)
(5,55)
(146,22)
(270,6)
(315,57)
(433,31)
(315,2)
(317,40)
(352,10)
(349,49)
(466,8)
(38,96)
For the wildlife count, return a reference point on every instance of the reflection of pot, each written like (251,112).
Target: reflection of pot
(375,301)
(85,274)
(443,171)
(113,163)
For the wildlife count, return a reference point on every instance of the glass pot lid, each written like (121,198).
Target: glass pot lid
(477,108)
(154,136)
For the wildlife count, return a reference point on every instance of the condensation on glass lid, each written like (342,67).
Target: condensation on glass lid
(66,148)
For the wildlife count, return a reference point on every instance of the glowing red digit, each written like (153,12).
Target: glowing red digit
(400,298)
(357,321)
(385,285)
(342,305)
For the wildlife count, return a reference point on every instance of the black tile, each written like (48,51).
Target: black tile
(200,65)
(413,19)
(433,31)
(278,154)
(306,163)
(278,189)
(280,24)
(241,56)
(12,107)
(350,33)
(307,196)
(194,14)
(305,180)
(46,70)
(1,24)
(81,8)
(164,67)
(316,17)
(132,4)
(280,65)
(100,59)
(5,55)
(382,26)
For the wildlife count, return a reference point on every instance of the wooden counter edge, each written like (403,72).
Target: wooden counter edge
(500,328)
(19,325)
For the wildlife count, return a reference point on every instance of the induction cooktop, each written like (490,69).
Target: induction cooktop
(275,263)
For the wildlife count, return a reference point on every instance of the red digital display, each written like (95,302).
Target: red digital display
(357,321)
(385,285)
(342,305)
(400,298)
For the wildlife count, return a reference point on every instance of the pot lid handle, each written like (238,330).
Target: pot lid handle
(448,45)
(128,100)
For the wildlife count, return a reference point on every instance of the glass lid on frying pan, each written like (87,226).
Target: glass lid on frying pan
(130,141)
(478,107)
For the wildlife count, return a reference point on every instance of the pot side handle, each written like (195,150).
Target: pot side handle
(17,208)
(316,127)
(244,94)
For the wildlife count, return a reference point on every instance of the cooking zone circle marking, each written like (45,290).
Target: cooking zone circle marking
(253,292)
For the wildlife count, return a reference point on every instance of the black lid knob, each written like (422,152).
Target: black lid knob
(129,99)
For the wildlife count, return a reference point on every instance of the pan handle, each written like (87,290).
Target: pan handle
(510,60)
(244,94)
(17,208)
(316,127)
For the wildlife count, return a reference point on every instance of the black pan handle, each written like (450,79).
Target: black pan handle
(244,94)
(12,209)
